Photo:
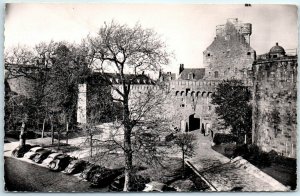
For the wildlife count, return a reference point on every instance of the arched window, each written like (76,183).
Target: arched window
(193,93)
(216,74)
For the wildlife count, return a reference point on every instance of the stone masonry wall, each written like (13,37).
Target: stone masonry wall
(274,105)
(229,56)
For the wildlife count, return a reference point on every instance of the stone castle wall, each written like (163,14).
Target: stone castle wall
(274,105)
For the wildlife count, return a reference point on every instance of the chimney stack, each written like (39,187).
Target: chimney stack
(181,68)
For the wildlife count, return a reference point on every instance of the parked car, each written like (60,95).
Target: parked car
(41,155)
(104,176)
(76,166)
(89,171)
(21,150)
(50,158)
(139,184)
(32,152)
(155,186)
(60,162)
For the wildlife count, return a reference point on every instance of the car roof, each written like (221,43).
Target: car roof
(156,185)
(55,154)
(36,148)
(44,150)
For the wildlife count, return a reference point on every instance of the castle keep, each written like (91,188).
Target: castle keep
(229,56)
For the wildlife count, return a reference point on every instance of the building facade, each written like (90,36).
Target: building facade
(229,56)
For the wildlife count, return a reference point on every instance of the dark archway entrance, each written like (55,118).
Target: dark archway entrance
(194,123)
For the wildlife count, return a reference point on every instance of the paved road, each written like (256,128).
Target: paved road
(206,157)
(23,176)
(226,175)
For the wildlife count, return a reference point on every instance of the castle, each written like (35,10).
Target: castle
(229,56)
(271,78)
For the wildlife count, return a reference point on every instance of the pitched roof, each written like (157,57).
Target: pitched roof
(196,73)
(167,76)
(115,79)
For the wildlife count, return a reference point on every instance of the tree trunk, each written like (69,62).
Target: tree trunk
(128,171)
(183,164)
(91,145)
(52,132)
(22,135)
(58,138)
(67,133)
(127,145)
(43,130)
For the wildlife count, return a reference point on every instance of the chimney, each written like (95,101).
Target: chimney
(181,68)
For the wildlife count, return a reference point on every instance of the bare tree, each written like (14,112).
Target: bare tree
(121,50)
(186,144)
(55,69)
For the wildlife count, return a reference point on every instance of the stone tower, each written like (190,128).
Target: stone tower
(230,54)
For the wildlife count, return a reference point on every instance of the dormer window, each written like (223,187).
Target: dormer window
(190,76)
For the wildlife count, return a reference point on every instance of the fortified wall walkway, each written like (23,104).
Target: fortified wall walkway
(224,174)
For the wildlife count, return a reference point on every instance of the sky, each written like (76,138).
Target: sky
(187,29)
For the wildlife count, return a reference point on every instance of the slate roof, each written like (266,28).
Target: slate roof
(197,73)
(115,78)
(167,76)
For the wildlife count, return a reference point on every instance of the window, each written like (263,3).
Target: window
(208,54)
(190,76)
(248,53)
(216,74)
(209,108)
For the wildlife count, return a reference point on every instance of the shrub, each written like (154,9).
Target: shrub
(241,150)
(253,154)
(273,155)
(224,138)
(170,137)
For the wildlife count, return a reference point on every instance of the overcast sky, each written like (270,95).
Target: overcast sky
(187,29)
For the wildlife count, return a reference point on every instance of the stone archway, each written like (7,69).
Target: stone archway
(194,123)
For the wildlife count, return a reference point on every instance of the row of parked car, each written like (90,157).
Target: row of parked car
(98,176)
